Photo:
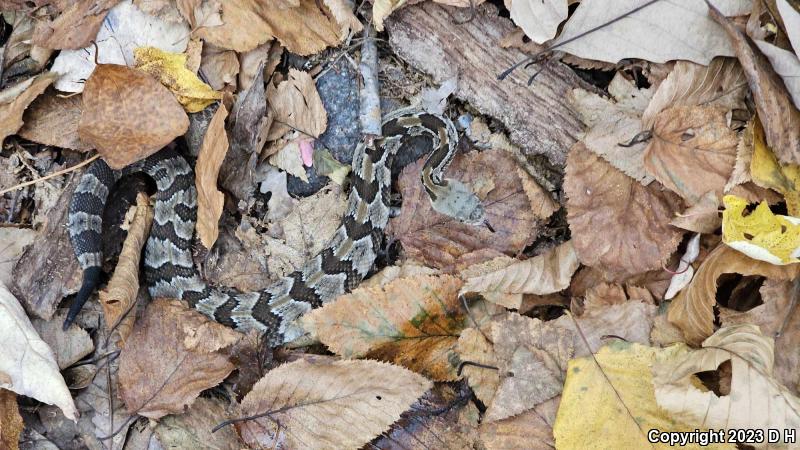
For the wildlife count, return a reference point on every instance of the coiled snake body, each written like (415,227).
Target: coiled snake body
(341,266)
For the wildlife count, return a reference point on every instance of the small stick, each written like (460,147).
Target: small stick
(52,175)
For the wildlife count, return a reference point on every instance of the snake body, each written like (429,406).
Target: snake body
(338,268)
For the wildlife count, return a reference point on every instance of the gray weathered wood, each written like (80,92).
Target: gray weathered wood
(538,117)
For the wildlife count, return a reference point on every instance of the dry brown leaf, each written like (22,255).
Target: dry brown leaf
(473,347)
(128,115)
(542,203)
(69,346)
(631,321)
(702,217)
(693,309)
(219,67)
(544,274)
(193,429)
(722,83)
(532,359)
(390,273)
(119,296)
(438,240)
(75,27)
(10,421)
(780,118)
(52,119)
(531,430)
(297,106)
(539,19)
(442,418)
(303,30)
(615,121)
(201,13)
(776,316)
(172,355)
(755,400)
(635,218)
(209,199)
(15,99)
(603,295)
(165,10)
(342,12)
(413,322)
(339,404)
(692,151)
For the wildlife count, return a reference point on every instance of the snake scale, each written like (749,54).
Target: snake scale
(338,268)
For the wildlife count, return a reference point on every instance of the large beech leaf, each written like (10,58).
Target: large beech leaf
(327,404)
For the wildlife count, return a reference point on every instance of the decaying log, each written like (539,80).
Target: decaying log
(538,117)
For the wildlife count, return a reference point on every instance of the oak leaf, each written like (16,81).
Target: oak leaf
(532,358)
(438,240)
(128,115)
(600,197)
(756,400)
(172,355)
(413,322)
(693,309)
(210,200)
(339,404)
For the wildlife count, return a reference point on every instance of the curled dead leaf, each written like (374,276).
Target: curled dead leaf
(15,99)
(544,274)
(128,115)
(297,106)
(693,309)
(210,200)
(119,296)
(327,404)
(756,399)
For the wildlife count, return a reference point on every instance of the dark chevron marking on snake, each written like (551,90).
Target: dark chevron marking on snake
(340,267)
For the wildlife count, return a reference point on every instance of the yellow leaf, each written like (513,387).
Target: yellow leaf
(767,172)
(760,235)
(621,398)
(170,69)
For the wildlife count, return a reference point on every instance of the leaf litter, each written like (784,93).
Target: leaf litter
(639,237)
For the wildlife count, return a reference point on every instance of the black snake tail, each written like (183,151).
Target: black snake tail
(340,267)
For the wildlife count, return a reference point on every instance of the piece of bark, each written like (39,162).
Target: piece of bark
(539,117)
(48,270)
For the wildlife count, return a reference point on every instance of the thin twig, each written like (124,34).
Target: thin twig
(52,175)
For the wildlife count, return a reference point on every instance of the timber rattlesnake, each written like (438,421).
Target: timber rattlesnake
(340,267)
